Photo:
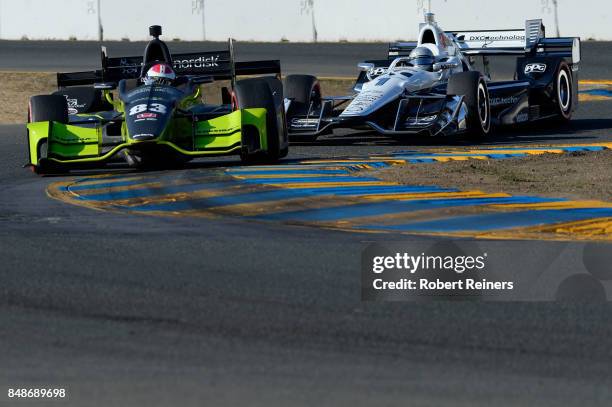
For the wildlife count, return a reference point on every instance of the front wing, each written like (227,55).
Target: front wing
(432,114)
(75,145)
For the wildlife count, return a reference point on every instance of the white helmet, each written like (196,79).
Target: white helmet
(422,58)
(161,73)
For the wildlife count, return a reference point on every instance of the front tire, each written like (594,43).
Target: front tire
(473,88)
(46,108)
(264,93)
(305,94)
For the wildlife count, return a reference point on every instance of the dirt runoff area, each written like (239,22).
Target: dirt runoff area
(17,87)
(577,175)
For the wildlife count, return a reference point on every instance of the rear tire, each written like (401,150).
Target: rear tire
(473,88)
(46,108)
(564,92)
(265,93)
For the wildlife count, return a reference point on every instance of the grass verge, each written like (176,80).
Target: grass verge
(577,175)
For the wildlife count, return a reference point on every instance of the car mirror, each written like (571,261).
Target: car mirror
(365,66)
(105,85)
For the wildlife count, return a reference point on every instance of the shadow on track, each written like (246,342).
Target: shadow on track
(545,132)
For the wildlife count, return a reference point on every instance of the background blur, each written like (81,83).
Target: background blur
(289,20)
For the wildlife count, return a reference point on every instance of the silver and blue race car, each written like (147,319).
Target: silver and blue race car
(444,84)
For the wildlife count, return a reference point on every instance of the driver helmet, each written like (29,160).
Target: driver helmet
(422,58)
(160,74)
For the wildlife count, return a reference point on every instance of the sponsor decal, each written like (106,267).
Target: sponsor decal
(301,123)
(146,116)
(373,72)
(535,68)
(363,101)
(219,130)
(509,100)
(150,93)
(73,105)
(486,38)
(139,90)
(73,139)
(521,118)
(127,68)
(200,62)
(501,37)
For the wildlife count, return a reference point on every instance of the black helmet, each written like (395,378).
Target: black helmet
(422,58)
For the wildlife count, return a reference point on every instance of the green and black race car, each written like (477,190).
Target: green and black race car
(112,114)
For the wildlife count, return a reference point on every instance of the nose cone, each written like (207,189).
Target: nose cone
(146,126)
(374,95)
(148,120)
(149,110)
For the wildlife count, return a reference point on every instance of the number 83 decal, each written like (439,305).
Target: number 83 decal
(153,107)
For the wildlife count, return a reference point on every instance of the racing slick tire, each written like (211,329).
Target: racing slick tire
(264,93)
(84,99)
(473,88)
(564,92)
(43,108)
(276,86)
(303,90)
(48,108)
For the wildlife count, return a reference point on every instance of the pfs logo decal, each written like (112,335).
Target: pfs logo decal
(535,68)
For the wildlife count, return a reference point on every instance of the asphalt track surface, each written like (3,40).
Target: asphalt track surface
(135,310)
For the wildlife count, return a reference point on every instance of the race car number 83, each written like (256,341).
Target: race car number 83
(153,107)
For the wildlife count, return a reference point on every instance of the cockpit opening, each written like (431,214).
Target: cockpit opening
(428,37)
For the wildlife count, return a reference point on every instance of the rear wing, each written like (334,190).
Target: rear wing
(530,40)
(220,65)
